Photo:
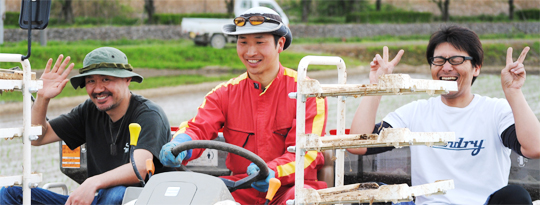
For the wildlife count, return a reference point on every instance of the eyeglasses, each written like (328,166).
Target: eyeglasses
(254,20)
(454,60)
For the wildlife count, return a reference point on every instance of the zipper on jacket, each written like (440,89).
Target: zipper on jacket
(249,134)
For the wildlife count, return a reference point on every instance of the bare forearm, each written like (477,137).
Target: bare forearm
(39,113)
(527,125)
(364,119)
(123,175)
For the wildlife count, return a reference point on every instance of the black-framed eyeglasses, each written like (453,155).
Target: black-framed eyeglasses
(253,20)
(454,60)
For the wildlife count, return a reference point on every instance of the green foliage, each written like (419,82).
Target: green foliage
(478,18)
(389,17)
(338,8)
(528,14)
(12,19)
(154,54)
(176,19)
(97,21)
(326,20)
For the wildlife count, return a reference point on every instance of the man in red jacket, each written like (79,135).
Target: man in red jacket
(256,113)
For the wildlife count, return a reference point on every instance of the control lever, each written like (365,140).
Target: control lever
(272,189)
(134,131)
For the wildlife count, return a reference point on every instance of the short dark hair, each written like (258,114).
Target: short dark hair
(462,39)
(276,39)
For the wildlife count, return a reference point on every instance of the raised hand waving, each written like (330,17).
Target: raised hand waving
(55,78)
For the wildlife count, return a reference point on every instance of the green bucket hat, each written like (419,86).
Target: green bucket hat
(105,61)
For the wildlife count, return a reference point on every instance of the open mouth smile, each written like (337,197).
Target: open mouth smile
(448,78)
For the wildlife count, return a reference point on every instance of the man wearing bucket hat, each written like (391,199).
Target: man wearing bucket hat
(102,123)
(255,112)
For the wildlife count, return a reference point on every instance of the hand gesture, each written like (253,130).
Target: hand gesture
(380,66)
(513,75)
(84,194)
(55,79)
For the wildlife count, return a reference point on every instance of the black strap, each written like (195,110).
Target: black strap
(509,139)
(377,130)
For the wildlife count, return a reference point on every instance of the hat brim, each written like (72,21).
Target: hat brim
(231,29)
(78,80)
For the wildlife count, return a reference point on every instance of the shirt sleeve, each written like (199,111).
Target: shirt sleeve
(206,124)
(504,117)
(155,132)
(400,118)
(285,165)
(377,130)
(70,127)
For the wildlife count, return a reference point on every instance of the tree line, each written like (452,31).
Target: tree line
(304,7)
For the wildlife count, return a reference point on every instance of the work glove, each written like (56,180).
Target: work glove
(261,185)
(166,156)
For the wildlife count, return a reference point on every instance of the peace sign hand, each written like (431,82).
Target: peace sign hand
(380,66)
(513,75)
(55,78)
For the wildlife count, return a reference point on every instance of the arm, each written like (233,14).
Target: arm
(527,125)
(364,119)
(204,126)
(54,80)
(122,175)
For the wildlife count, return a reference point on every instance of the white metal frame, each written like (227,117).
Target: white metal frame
(301,116)
(394,84)
(28,85)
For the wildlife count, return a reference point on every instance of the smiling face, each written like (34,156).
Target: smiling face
(107,92)
(462,73)
(259,54)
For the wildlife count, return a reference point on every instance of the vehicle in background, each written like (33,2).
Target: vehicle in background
(206,31)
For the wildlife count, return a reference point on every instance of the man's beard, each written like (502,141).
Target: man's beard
(108,108)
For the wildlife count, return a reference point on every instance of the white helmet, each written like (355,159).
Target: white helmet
(274,27)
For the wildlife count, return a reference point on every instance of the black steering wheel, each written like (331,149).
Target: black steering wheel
(210,144)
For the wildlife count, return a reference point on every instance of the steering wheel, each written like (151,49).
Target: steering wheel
(210,144)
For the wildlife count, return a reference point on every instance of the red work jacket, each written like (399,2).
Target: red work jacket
(262,120)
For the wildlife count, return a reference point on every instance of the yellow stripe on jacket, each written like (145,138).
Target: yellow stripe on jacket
(289,168)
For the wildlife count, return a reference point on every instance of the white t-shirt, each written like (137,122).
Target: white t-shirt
(477,161)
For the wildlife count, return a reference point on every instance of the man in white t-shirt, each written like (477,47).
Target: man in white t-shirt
(486,129)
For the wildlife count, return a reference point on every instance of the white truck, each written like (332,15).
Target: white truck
(206,31)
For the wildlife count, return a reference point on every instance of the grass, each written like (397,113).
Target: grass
(154,54)
(151,82)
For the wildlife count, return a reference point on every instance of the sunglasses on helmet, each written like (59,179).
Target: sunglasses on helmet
(254,20)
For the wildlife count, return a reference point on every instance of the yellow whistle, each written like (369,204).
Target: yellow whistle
(134,131)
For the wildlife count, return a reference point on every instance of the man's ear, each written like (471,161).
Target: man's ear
(128,80)
(281,44)
(476,71)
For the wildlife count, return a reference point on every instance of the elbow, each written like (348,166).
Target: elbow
(357,151)
(36,142)
(531,154)
(535,155)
